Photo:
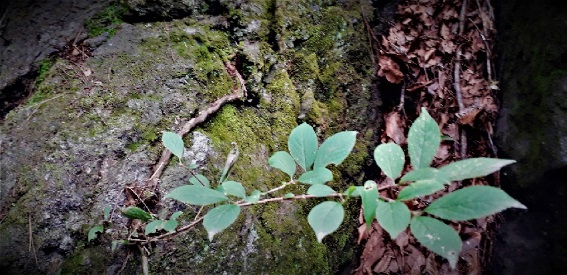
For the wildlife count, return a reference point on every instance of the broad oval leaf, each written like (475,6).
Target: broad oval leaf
(153,227)
(471,203)
(320,190)
(437,237)
(473,168)
(170,225)
(92,233)
(325,218)
(427,173)
(133,212)
(283,161)
(369,195)
(319,175)
(424,138)
(390,158)
(234,188)
(290,195)
(254,197)
(335,149)
(420,188)
(302,144)
(220,218)
(175,215)
(393,216)
(200,180)
(174,143)
(196,195)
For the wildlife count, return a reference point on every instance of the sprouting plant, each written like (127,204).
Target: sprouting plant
(428,225)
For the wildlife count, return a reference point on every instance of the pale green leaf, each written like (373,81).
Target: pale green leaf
(200,180)
(283,161)
(437,237)
(170,225)
(320,190)
(289,195)
(254,197)
(471,203)
(107,210)
(354,191)
(325,218)
(335,149)
(369,195)
(133,212)
(427,173)
(302,145)
(424,138)
(153,227)
(174,143)
(319,175)
(420,188)
(393,216)
(390,158)
(92,233)
(220,218)
(175,215)
(234,188)
(196,195)
(473,168)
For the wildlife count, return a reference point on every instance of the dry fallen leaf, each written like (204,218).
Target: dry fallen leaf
(389,69)
(395,127)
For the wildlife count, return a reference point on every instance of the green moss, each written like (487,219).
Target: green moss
(105,21)
(86,260)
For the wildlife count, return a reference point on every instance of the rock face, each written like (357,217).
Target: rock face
(92,130)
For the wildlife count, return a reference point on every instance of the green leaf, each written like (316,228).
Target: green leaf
(92,233)
(234,188)
(390,158)
(153,227)
(302,145)
(424,139)
(174,143)
(254,197)
(325,218)
(175,215)
(354,191)
(335,149)
(369,195)
(420,188)
(200,180)
(319,175)
(196,195)
(471,203)
(427,173)
(170,225)
(320,190)
(133,212)
(114,245)
(473,168)
(107,210)
(437,237)
(393,216)
(219,218)
(283,161)
(289,195)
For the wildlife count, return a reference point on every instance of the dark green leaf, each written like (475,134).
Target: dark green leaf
(196,195)
(133,212)
(220,218)
(471,203)
(92,233)
(335,149)
(437,237)
(473,168)
(320,190)
(174,143)
(427,173)
(369,195)
(254,197)
(393,216)
(153,227)
(200,180)
(424,139)
(420,188)
(390,158)
(234,188)
(283,161)
(325,218)
(318,175)
(302,145)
